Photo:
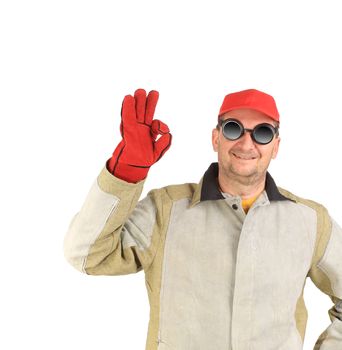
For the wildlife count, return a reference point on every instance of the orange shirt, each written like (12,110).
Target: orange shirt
(247,203)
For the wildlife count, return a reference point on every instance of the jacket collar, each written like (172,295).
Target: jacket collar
(208,188)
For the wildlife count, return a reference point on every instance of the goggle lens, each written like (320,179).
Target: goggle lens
(263,134)
(232,130)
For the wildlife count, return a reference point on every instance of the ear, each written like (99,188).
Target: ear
(276,148)
(215,139)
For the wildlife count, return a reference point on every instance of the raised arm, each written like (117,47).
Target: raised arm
(113,233)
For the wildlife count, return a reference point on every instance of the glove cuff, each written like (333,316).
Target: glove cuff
(129,173)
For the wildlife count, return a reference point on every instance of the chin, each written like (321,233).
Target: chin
(245,172)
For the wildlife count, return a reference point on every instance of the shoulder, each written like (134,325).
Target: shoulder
(318,207)
(175,192)
(323,223)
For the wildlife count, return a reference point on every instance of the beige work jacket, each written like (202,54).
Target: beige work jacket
(217,278)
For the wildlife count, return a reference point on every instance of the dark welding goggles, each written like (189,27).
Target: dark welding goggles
(262,134)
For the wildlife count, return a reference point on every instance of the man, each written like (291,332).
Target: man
(225,260)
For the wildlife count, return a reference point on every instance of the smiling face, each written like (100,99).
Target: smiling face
(244,160)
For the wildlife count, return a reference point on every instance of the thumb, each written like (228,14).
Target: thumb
(158,128)
(161,146)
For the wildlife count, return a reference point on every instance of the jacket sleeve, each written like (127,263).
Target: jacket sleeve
(113,233)
(326,274)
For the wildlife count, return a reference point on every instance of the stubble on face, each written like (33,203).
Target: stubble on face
(240,171)
(247,175)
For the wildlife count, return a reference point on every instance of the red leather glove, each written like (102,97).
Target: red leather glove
(139,149)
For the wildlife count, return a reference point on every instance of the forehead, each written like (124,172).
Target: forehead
(248,116)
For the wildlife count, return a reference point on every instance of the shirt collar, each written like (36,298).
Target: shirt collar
(208,188)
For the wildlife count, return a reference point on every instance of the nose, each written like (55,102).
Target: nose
(246,141)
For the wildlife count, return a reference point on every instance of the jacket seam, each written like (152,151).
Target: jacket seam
(327,275)
(112,210)
(163,228)
(163,274)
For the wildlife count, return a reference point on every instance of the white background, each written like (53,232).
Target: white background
(65,67)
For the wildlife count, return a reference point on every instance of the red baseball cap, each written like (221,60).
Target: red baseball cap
(251,98)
